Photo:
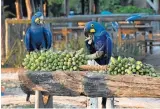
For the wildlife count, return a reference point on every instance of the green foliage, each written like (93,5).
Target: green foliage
(75,5)
(133,9)
(55,7)
(50,2)
(109,5)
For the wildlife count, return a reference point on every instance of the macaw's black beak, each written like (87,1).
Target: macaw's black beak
(86,32)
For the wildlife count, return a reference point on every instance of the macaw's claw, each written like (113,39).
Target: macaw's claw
(99,54)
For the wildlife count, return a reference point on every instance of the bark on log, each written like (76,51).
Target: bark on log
(77,83)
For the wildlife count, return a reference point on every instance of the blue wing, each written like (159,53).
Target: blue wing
(109,46)
(48,37)
(133,18)
(27,40)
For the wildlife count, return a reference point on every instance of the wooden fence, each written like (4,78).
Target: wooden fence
(77,18)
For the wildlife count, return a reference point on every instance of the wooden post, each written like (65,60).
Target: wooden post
(7,37)
(29,8)
(110,103)
(82,6)
(37,98)
(18,11)
(96,2)
(145,46)
(150,35)
(119,38)
(39,101)
(151,47)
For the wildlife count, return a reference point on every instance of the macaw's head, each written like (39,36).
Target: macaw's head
(37,18)
(92,29)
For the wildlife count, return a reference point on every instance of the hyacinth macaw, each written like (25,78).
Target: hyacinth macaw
(133,17)
(97,39)
(37,36)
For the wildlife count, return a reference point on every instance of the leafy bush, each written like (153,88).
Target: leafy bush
(133,9)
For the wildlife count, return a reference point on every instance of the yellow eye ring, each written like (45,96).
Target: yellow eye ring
(92,25)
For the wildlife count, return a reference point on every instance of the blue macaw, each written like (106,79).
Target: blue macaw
(133,17)
(37,36)
(97,39)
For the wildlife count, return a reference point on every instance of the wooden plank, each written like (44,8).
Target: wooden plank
(81,83)
(152,40)
(37,98)
(7,38)
(84,18)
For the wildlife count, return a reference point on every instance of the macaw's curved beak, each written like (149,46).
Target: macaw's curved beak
(39,20)
(92,30)
(86,32)
(89,35)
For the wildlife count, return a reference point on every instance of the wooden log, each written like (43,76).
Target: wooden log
(82,83)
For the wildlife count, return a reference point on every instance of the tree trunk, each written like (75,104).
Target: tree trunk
(18,11)
(29,8)
(90,6)
(45,8)
(84,83)
(96,6)
(82,6)
(33,6)
(66,7)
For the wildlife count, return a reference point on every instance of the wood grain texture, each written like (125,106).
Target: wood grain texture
(77,83)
